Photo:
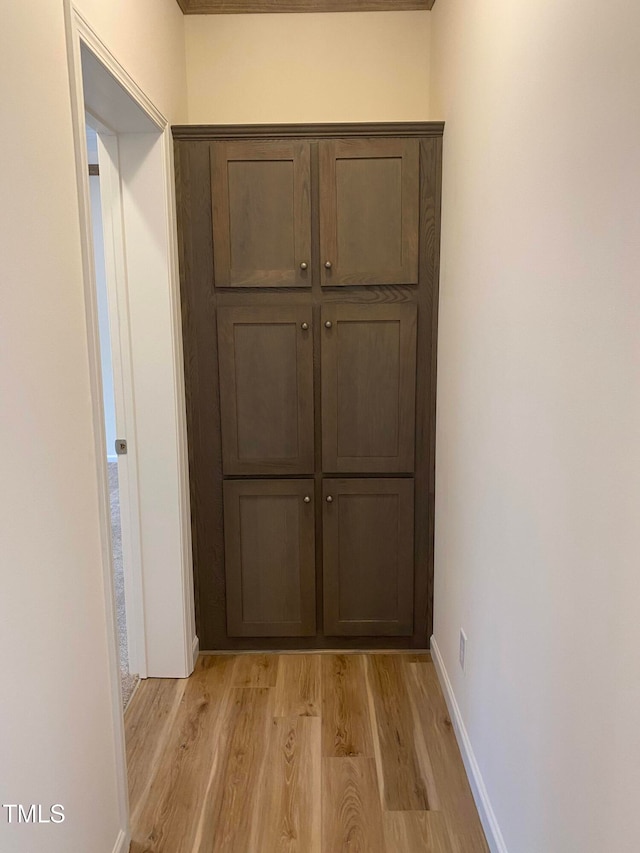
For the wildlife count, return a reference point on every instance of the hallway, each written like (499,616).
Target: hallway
(316,753)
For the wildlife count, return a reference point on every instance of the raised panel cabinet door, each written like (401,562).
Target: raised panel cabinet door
(369,211)
(261,213)
(269,558)
(368,388)
(265,357)
(368,557)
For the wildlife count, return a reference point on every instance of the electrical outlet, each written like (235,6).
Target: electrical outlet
(463,647)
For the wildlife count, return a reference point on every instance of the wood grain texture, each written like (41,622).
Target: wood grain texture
(261,213)
(231,761)
(270,557)
(404,129)
(200,302)
(199,335)
(346,725)
(266,389)
(368,388)
(231,822)
(255,671)
(351,813)
(430,219)
(149,718)
(290,819)
(454,794)
(167,819)
(402,777)
(369,190)
(298,691)
(368,556)
(422,832)
(238,7)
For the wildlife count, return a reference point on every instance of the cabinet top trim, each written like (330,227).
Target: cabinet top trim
(306,131)
(222,7)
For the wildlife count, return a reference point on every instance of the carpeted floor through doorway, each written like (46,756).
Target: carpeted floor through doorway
(128,680)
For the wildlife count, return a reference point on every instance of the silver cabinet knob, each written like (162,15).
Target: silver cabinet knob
(303,265)
(329,499)
(328,265)
(307,499)
(304,326)
(328,324)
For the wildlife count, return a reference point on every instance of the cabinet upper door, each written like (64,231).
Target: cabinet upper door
(266,389)
(261,213)
(368,557)
(270,554)
(368,387)
(369,211)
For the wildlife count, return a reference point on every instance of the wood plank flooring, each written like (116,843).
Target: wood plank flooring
(298,753)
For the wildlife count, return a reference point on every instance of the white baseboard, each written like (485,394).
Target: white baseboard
(122,842)
(195,650)
(111,457)
(480,795)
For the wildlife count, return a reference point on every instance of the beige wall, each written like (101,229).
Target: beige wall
(365,66)
(56,735)
(538,470)
(147,38)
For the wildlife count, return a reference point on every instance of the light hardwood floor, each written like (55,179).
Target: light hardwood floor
(304,753)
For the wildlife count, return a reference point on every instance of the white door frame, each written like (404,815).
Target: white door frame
(120,334)
(185,647)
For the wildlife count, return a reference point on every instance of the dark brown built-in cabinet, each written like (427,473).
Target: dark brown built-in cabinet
(309,275)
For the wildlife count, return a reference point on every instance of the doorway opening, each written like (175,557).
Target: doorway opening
(138,236)
(107,317)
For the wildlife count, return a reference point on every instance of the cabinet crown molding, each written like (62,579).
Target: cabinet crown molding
(307,131)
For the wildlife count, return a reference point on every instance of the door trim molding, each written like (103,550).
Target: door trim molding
(79,32)
(307,131)
(119,327)
(82,29)
(74,24)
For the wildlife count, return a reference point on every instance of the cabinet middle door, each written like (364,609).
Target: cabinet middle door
(270,558)
(261,213)
(368,556)
(368,388)
(266,389)
(369,203)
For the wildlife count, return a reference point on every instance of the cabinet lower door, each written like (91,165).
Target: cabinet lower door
(368,557)
(270,558)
